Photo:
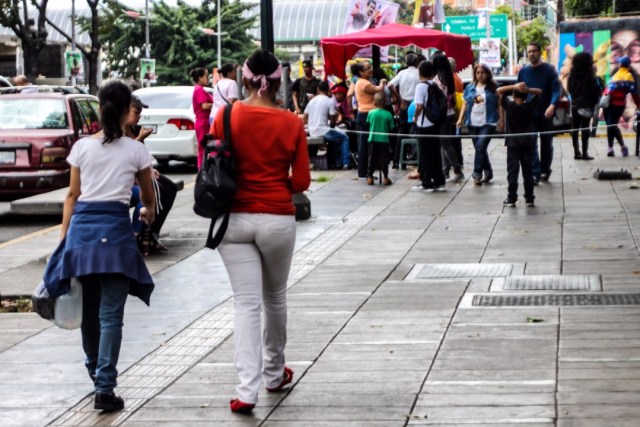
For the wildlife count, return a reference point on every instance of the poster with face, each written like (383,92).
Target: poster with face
(607,40)
(490,53)
(148,70)
(366,14)
(73,62)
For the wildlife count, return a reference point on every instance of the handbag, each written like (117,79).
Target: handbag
(605,100)
(215,186)
(585,113)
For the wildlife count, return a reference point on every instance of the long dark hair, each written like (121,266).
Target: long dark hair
(442,69)
(582,65)
(490,84)
(115,99)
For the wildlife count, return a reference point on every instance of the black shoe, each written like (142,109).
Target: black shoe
(536,180)
(509,202)
(108,402)
(530,203)
(544,177)
(586,157)
(577,156)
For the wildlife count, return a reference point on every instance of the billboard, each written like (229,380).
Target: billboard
(366,14)
(607,40)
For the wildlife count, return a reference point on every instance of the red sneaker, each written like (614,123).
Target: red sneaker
(287,377)
(238,405)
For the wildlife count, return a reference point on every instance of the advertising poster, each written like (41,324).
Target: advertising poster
(73,62)
(490,53)
(148,70)
(365,14)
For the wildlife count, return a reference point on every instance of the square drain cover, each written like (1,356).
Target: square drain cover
(448,271)
(555,300)
(552,282)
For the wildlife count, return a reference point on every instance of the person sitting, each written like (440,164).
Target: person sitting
(148,236)
(320,115)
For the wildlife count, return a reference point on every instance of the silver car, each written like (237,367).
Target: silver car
(172,120)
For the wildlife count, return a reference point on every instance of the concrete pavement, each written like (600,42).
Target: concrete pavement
(404,309)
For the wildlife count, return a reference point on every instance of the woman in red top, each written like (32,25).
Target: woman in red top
(202,103)
(267,143)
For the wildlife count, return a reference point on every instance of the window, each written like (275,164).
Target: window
(90,121)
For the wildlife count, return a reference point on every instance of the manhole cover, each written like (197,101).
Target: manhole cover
(552,282)
(555,300)
(441,271)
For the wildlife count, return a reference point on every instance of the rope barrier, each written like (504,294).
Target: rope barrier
(494,135)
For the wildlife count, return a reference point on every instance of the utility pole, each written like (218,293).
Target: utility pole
(73,36)
(266,25)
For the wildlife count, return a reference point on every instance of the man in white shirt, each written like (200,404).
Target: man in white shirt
(430,163)
(320,116)
(403,89)
(226,90)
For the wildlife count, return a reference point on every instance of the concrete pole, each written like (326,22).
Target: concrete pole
(219,40)
(73,35)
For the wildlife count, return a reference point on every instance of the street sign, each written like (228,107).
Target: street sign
(474,26)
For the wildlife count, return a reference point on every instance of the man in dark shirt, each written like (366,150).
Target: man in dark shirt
(543,76)
(304,88)
(519,120)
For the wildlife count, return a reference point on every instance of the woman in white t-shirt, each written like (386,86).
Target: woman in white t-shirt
(226,90)
(99,247)
(480,113)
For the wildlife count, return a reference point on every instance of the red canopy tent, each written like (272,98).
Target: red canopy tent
(337,50)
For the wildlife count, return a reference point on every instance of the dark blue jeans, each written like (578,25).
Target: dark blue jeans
(612,117)
(363,144)
(340,140)
(103,300)
(542,163)
(481,137)
(520,156)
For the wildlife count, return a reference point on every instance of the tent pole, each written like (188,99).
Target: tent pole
(375,56)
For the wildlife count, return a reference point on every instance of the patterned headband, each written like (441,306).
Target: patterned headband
(264,83)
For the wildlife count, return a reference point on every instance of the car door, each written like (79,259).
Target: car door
(90,119)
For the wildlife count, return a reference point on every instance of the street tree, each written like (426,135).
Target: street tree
(176,39)
(592,8)
(532,31)
(14,14)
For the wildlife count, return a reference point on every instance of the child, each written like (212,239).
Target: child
(519,119)
(380,125)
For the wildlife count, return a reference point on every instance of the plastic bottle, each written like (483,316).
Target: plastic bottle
(68,309)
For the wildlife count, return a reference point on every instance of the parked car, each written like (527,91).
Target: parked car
(37,130)
(4,82)
(562,117)
(172,120)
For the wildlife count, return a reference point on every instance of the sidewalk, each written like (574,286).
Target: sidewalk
(393,314)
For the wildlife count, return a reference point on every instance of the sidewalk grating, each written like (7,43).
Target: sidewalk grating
(555,300)
(553,282)
(193,343)
(457,271)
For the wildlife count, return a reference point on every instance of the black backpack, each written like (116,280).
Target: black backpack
(215,186)
(435,107)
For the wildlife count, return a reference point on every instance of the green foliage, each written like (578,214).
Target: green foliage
(176,39)
(536,31)
(577,8)
(455,11)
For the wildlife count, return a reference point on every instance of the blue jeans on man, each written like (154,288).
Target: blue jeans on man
(103,300)
(335,137)
(542,163)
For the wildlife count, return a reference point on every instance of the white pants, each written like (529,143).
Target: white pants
(257,251)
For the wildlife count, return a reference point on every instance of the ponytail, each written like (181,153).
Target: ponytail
(115,99)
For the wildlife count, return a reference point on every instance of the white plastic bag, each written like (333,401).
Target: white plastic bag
(68,308)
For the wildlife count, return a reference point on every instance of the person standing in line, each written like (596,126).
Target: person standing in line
(364,92)
(430,162)
(403,88)
(459,84)
(443,77)
(585,93)
(381,125)
(320,116)
(519,120)
(226,89)
(202,102)
(480,113)
(257,248)
(304,88)
(622,83)
(543,76)
(287,103)
(99,245)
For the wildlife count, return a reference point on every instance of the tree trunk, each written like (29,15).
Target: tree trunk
(31,63)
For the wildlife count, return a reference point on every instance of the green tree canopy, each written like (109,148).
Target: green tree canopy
(578,8)
(176,38)
(534,31)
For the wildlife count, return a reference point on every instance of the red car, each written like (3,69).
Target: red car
(38,127)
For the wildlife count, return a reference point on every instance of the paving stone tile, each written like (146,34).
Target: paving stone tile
(489,387)
(596,411)
(364,413)
(485,399)
(485,413)
(598,422)
(593,385)
(598,398)
(492,375)
(324,423)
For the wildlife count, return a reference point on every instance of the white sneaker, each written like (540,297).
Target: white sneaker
(420,188)
(440,189)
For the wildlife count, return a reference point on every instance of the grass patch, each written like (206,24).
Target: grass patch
(322,178)
(21,304)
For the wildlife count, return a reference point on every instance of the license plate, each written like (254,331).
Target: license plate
(7,157)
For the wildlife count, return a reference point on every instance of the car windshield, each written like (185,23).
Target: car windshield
(167,100)
(33,113)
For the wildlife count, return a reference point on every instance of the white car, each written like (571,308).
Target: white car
(170,115)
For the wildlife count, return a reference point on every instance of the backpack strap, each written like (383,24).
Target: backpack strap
(220,92)
(213,240)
